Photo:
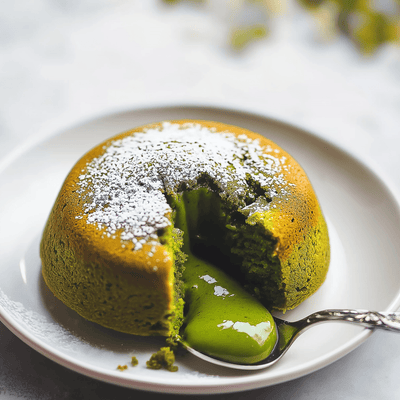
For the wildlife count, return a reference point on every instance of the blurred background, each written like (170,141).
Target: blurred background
(329,66)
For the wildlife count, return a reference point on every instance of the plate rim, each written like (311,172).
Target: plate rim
(165,385)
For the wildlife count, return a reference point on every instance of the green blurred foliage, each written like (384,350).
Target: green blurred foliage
(362,21)
(241,37)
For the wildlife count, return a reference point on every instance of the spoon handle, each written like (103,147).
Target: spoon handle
(369,319)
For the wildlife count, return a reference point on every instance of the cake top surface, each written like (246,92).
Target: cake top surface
(125,188)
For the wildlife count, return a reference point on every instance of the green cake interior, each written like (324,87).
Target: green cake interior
(213,232)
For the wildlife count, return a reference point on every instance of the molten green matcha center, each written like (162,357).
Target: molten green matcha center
(221,318)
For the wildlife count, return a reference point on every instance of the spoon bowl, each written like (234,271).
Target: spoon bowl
(288,332)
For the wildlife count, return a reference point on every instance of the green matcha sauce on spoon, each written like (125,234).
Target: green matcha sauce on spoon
(222,320)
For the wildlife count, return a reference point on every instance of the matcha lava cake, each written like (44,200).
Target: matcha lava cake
(113,248)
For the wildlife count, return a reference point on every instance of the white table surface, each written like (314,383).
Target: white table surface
(63,61)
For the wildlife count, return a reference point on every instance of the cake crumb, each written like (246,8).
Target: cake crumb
(122,367)
(165,357)
(134,361)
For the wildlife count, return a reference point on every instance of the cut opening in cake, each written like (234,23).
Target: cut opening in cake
(218,234)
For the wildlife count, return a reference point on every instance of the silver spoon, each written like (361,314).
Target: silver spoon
(288,332)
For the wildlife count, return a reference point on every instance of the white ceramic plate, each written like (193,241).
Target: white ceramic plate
(364,223)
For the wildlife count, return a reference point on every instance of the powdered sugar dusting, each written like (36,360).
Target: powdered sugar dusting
(125,189)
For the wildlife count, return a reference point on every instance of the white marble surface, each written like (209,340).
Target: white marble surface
(62,61)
